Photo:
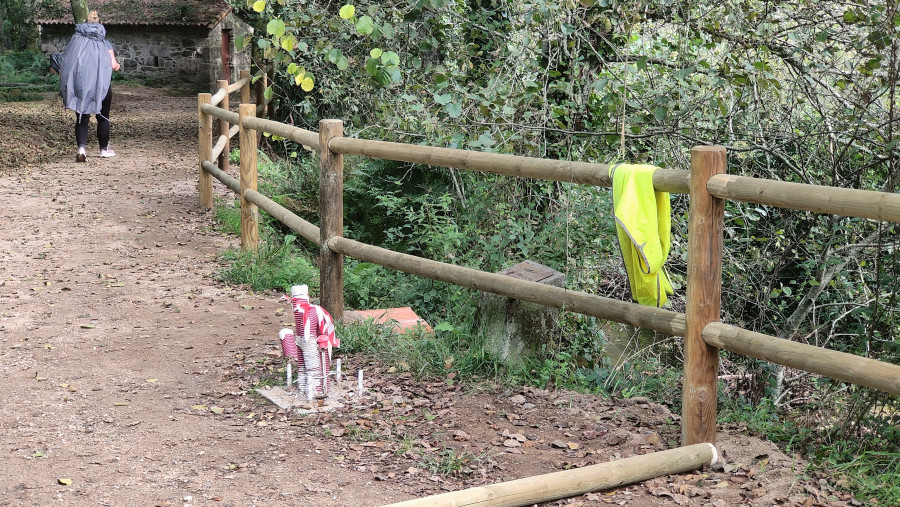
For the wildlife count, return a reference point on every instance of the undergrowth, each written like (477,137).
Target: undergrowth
(25,76)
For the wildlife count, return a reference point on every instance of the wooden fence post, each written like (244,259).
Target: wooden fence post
(245,90)
(223,128)
(204,122)
(704,297)
(331,214)
(249,211)
(261,84)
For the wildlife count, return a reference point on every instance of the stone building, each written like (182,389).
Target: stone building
(186,44)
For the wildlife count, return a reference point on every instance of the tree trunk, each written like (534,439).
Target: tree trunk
(2,36)
(79,10)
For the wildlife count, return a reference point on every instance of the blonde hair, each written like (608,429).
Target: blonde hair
(93,17)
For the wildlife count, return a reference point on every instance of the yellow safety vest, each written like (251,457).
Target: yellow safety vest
(643,226)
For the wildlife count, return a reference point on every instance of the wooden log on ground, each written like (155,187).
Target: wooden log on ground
(846,202)
(704,298)
(577,481)
(830,363)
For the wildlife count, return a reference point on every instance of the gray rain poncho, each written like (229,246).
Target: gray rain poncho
(86,69)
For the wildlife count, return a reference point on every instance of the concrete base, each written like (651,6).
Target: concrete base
(514,330)
(290,399)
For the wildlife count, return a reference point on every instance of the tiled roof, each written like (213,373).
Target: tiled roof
(138,12)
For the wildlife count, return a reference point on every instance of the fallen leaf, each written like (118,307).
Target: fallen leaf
(681,499)
(199,407)
(64,482)
(661,492)
(121,404)
(216,410)
(151,380)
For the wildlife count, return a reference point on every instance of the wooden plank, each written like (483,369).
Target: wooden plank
(331,216)
(704,297)
(249,211)
(575,481)
(204,137)
(816,198)
(830,363)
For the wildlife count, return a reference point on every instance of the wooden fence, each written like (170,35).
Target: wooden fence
(706,184)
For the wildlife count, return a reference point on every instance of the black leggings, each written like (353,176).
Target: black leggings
(83,120)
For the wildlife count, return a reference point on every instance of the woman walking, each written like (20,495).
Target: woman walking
(87,66)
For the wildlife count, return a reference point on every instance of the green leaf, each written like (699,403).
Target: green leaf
(453,109)
(365,26)
(333,55)
(390,58)
(347,11)
(376,53)
(372,67)
(275,27)
(443,99)
(660,113)
(382,77)
(394,73)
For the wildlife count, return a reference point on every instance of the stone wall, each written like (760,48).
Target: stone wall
(184,57)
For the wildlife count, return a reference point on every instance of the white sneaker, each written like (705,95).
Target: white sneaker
(81,156)
(107,153)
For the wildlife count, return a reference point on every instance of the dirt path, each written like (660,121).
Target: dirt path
(128,370)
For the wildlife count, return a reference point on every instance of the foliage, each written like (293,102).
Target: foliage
(17,32)
(277,264)
(25,76)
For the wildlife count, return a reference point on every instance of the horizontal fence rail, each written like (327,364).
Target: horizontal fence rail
(664,180)
(830,363)
(846,202)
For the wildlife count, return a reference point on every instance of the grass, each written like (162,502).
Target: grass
(451,462)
